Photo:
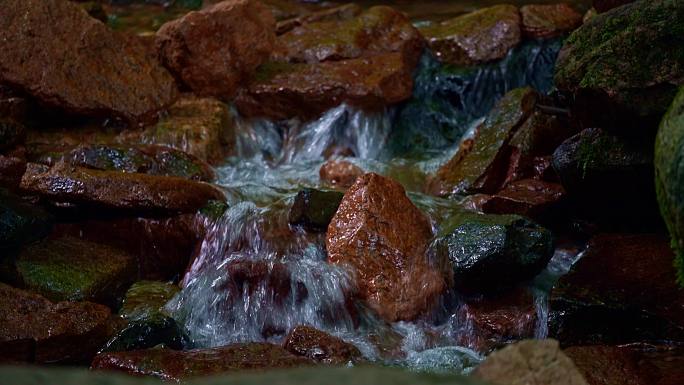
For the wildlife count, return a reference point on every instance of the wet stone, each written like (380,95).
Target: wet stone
(341,13)
(546,21)
(539,200)
(319,346)
(339,173)
(21,222)
(149,332)
(146,298)
(314,209)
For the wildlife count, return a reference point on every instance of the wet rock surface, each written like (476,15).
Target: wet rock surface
(545,21)
(319,346)
(213,50)
(383,237)
(314,209)
(21,222)
(341,13)
(78,65)
(339,173)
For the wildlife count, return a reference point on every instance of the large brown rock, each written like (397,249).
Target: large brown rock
(477,37)
(284,90)
(56,52)
(320,346)
(35,329)
(339,173)
(383,237)
(214,50)
(117,190)
(176,365)
(546,21)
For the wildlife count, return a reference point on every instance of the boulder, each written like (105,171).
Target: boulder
(547,21)
(36,330)
(477,37)
(314,209)
(319,346)
(491,252)
(214,50)
(21,222)
(382,237)
(339,173)
(536,199)
(484,167)
(284,90)
(58,54)
(530,362)
(117,190)
(147,333)
(624,66)
(172,365)
(146,298)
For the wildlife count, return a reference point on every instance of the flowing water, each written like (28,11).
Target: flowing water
(256,278)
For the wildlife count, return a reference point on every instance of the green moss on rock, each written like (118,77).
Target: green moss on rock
(146,298)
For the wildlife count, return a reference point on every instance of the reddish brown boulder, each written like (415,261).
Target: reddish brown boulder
(549,20)
(531,198)
(53,50)
(339,173)
(319,346)
(214,50)
(35,329)
(382,237)
(341,13)
(477,37)
(284,90)
(117,190)
(173,365)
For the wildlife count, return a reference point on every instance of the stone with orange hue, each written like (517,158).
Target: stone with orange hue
(339,173)
(320,346)
(214,50)
(531,198)
(382,237)
(549,20)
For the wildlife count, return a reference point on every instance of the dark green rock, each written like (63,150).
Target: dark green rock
(21,222)
(11,133)
(146,299)
(490,252)
(625,63)
(70,269)
(669,176)
(313,209)
(214,210)
(148,332)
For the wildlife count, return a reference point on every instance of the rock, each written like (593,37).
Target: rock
(313,209)
(148,332)
(172,365)
(382,237)
(607,5)
(635,364)
(117,190)
(490,252)
(214,50)
(624,66)
(669,177)
(477,37)
(95,10)
(539,200)
(341,13)
(12,168)
(379,30)
(11,133)
(547,21)
(484,167)
(20,222)
(530,362)
(625,284)
(78,64)
(339,173)
(609,177)
(69,269)
(319,346)
(146,299)
(284,90)
(64,332)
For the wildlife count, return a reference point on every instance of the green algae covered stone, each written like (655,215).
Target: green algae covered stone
(147,298)
(669,176)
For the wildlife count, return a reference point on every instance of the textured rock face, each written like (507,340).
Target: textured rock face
(77,64)
(35,329)
(547,21)
(284,90)
(320,346)
(213,50)
(383,237)
(530,362)
(176,365)
(477,37)
(339,173)
(110,189)
(625,63)
(313,209)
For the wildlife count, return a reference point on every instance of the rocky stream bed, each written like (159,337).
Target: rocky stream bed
(310,192)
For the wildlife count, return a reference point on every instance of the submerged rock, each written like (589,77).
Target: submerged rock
(20,222)
(117,190)
(172,365)
(339,173)
(319,346)
(383,238)
(148,332)
(530,362)
(56,52)
(477,37)
(624,66)
(545,21)
(314,209)
(214,50)
(34,329)
(490,252)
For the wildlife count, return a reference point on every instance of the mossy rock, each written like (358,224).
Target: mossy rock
(214,210)
(314,209)
(148,332)
(20,222)
(146,298)
(669,176)
(491,252)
